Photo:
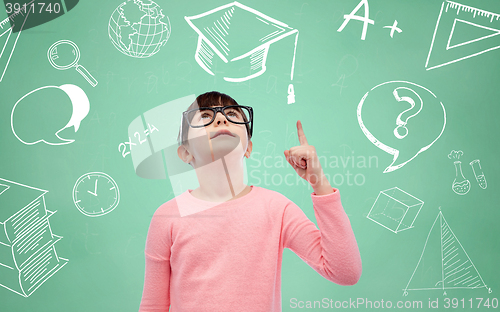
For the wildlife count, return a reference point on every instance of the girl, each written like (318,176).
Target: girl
(219,247)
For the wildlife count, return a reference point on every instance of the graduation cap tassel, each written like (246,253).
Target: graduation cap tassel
(291,92)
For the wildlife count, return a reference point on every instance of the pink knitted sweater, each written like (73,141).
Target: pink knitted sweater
(228,257)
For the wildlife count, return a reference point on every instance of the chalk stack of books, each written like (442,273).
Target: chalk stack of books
(28,256)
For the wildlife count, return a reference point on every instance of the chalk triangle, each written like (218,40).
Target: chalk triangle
(468,32)
(8,34)
(462,32)
(6,49)
(427,274)
(444,263)
(458,269)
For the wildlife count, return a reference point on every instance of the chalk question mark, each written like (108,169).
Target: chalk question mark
(408,113)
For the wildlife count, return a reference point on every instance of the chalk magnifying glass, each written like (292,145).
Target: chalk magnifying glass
(65,54)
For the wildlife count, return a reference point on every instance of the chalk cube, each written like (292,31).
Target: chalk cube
(395,209)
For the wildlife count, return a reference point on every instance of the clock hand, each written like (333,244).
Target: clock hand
(95,191)
(92,193)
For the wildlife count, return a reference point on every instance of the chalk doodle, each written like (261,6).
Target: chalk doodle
(462,32)
(219,34)
(6,33)
(478,173)
(444,264)
(137,135)
(32,108)
(27,244)
(365,19)
(139,28)
(397,130)
(96,194)
(460,185)
(395,210)
(64,54)
(393,28)
(401,131)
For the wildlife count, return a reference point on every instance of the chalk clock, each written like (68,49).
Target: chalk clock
(95,194)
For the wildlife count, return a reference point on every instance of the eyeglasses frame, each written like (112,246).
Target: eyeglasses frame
(215,110)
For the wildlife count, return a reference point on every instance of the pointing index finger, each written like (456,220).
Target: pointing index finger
(300,132)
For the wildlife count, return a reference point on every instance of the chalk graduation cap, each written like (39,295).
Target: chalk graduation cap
(241,35)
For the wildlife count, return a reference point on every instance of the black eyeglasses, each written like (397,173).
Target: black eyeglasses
(204,116)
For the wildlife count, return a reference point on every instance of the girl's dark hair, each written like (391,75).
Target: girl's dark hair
(208,99)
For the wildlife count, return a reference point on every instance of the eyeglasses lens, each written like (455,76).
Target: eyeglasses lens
(203,116)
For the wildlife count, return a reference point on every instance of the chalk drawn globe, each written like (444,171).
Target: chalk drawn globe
(138,28)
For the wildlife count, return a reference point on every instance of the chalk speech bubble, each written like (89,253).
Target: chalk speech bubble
(401,118)
(33,106)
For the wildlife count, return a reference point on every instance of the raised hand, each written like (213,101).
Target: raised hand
(305,162)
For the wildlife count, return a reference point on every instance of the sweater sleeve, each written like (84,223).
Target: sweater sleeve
(156,292)
(332,250)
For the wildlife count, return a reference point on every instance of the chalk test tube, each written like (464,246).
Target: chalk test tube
(478,172)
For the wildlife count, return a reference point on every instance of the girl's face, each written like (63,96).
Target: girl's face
(217,140)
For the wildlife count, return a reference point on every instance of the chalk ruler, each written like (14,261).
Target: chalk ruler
(10,39)
(462,32)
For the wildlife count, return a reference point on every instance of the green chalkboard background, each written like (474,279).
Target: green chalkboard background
(332,73)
